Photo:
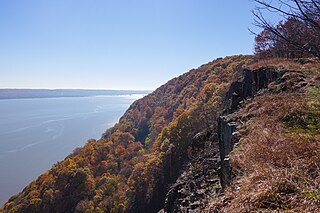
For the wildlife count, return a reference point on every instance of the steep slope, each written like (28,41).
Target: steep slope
(198,188)
(171,150)
(131,166)
(274,166)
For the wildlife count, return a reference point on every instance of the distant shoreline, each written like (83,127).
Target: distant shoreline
(60,93)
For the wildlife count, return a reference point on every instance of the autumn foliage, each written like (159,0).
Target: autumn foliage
(296,36)
(131,166)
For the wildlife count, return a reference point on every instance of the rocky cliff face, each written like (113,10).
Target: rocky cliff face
(199,180)
(253,82)
(227,132)
(210,171)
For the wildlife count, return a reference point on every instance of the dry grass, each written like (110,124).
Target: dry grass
(276,62)
(277,162)
(287,64)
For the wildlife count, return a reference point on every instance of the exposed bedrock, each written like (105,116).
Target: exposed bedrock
(252,83)
(210,168)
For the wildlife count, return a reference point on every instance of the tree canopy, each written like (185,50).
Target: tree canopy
(296,36)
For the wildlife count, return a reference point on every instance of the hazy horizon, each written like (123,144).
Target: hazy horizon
(121,45)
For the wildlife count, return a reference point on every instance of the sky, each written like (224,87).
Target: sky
(116,44)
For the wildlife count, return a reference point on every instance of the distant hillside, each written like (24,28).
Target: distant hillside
(244,127)
(54,93)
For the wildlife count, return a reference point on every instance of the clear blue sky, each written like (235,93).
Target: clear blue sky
(116,44)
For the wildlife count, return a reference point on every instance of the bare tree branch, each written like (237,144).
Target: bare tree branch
(299,32)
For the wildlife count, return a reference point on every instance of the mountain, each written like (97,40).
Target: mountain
(235,135)
(55,93)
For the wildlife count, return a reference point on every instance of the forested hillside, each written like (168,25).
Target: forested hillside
(156,157)
(131,166)
(239,134)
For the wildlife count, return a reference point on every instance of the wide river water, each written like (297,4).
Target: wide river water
(36,133)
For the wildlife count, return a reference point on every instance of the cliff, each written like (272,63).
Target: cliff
(269,142)
(198,143)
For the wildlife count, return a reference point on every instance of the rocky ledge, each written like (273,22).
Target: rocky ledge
(210,171)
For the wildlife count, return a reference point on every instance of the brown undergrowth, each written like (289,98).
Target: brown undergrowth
(310,65)
(277,161)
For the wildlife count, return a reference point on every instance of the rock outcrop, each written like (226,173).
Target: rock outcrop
(253,82)
(227,138)
(199,180)
(250,84)
(209,169)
